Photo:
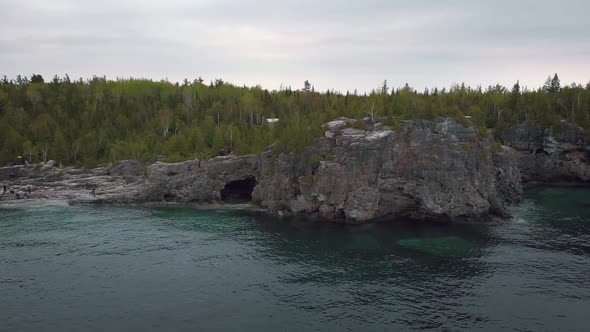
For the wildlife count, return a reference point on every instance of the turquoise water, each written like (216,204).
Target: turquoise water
(234,268)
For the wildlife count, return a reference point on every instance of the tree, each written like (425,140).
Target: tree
(44,149)
(10,143)
(515,101)
(306,86)
(37,79)
(552,85)
(28,150)
(218,140)
(384,88)
(555,84)
(165,122)
(99,120)
(43,127)
(60,151)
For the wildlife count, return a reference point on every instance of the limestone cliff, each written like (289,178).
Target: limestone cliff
(425,170)
(421,170)
(550,155)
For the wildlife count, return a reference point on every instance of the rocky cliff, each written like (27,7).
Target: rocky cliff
(550,155)
(359,171)
(424,170)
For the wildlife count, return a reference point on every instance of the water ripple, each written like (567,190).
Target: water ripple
(186,268)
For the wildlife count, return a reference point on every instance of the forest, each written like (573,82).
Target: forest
(96,121)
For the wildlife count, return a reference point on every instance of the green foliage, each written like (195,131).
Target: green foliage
(482,132)
(394,123)
(92,122)
(496,147)
(463,121)
(360,124)
(315,161)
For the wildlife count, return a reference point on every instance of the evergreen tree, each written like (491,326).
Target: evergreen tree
(555,84)
(306,86)
(90,122)
(37,79)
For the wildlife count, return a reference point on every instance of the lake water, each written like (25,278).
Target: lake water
(110,268)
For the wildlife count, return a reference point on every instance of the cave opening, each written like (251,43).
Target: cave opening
(239,191)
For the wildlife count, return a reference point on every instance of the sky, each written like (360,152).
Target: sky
(339,45)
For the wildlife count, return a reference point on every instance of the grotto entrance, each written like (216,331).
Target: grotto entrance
(239,191)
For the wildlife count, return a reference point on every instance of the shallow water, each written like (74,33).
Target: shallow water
(234,268)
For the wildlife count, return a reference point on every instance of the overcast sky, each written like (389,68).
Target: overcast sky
(339,45)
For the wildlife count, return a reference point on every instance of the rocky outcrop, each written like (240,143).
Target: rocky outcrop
(196,180)
(359,171)
(76,185)
(550,155)
(426,170)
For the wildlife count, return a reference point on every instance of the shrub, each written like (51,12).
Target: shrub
(315,162)
(394,123)
(496,147)
(360,124)
(462,120)
(482,131)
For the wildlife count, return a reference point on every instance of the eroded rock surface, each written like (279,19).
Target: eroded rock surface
(429,169)
(550,155)
(424,170)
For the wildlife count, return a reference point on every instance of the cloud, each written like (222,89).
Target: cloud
(336,44)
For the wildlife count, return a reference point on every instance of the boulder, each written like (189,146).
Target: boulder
(50,164)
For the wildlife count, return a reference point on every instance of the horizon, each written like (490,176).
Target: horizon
(335,45)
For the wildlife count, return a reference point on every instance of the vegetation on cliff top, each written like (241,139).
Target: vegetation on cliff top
(88,122)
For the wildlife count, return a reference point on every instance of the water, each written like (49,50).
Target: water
(195,269)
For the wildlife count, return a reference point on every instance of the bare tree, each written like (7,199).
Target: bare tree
(44,151)
(498,111)
(372,112)
(165,120)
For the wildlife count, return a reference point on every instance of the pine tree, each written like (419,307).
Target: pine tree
(555,84)
(306,86)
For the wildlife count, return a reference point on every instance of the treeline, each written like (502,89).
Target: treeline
(89,122)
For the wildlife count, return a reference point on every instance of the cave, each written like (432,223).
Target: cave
(239,191)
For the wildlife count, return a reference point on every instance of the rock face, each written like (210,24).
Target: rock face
(110,183)
(550,155)
(428,169)
(196,180)
(357,172)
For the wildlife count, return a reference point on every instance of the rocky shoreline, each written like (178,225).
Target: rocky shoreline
(359,171)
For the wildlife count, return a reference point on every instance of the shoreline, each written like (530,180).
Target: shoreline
(560,184)
(251,207)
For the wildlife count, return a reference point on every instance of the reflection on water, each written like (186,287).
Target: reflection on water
(234,267)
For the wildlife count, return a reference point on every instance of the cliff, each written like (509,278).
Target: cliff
(356,172)
(550,155)
(425,170)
